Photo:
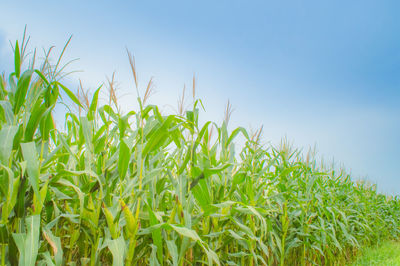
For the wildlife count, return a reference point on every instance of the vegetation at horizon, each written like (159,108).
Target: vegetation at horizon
(143,187)
(383,253)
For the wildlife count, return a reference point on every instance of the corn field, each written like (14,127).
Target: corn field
(145,188)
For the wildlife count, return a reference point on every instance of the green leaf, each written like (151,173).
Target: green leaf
(19,240)
(20,205)
(156,235)
(55,244)
(47,258)
(158,137)
(70,94)
(93,104)
(8,111)
(22,89)
(38,203)
(79,193)
(235,235)
(117,248)
(212,257)
(123,159)
(30,155)
(186,232)
(122,125)
(107,109)
(10,189)
(39,111)
(7,134)
(200,135)
(3,91)
(153,256)
(215,170)
(201,192)
(28,243)
(17,60)
(234,134)
(3,234)
(40,74)
(47,124)
(173,251)
(87,132)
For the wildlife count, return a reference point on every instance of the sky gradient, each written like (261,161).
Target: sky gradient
(320,73)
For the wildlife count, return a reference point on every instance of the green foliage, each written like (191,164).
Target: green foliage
(147,188)
(383,253)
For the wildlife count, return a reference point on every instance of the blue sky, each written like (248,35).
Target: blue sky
(324,73)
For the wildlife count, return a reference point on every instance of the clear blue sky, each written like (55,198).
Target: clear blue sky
(318,72)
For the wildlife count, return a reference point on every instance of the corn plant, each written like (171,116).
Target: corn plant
(144,187)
